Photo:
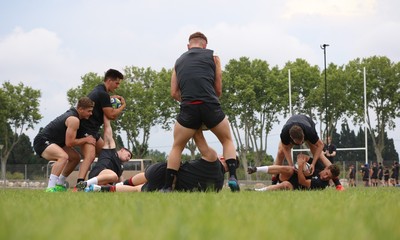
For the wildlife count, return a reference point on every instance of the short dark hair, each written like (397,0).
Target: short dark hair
(335,170)
(296,132)
(85,103)
(113,74)
(198,35)
(126,149)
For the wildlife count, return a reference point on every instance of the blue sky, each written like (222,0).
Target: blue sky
(50,44)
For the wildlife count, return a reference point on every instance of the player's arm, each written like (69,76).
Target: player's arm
(109,142)
(316,150)
(113,113)
(288,153)
(218,76)
(175,91)
(324,160)
(72,124)
(300,175)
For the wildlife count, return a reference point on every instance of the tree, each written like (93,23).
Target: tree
(144,93)
(383,88)
(305,79)
(20,112)
(89,81)
(23,152)
(251,101)
(333,108)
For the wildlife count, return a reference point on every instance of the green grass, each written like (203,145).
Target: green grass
(358,213)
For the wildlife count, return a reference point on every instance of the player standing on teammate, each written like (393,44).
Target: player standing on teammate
(55,142)
(196,83)
(100,95)
(297,130)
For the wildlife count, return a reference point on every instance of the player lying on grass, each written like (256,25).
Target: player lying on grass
(293,179)
(108,168)
(197,175)
(204,174)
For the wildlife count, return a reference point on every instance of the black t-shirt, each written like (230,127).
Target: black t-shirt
(316,182)
(200,175)
(374,174)
(195,71)
(380,168)
(352,174)
(396,171)
(365,173)
(331,148)
(386,174)
(194,175)
(101,99)
(308,126)
(55,131)
(108,159)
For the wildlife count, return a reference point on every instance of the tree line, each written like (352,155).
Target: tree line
(255,97)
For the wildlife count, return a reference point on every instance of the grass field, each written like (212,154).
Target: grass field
(357,213)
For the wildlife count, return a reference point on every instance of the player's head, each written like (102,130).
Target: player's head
(85,107)
(296,135)
(112,79)
(330,172)
(113,74)
(197,39)
(125,154)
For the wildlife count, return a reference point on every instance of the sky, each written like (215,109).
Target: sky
(50,44)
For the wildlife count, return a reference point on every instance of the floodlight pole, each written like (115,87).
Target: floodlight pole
(323,46)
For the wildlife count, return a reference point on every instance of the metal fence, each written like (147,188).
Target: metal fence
(26,176)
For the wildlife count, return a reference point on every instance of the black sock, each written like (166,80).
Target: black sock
(336,181)
(128,182)
(80,180)
(169,178)
(108,188)
(231,167)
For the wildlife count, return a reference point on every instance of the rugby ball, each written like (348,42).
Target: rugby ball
(306,167)
(115,102)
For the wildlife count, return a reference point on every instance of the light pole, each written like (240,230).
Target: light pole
(323,46)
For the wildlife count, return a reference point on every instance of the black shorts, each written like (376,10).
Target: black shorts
(96,170)
(194,115)
(155,175)
(40,143)
(294,181)
(82,132)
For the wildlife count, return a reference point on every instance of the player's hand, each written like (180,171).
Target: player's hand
(251,170)
(122,99)
(90,140)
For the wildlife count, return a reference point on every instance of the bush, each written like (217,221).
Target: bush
(14,176)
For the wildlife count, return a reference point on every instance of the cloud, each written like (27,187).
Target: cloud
(331,8)
(36,58)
